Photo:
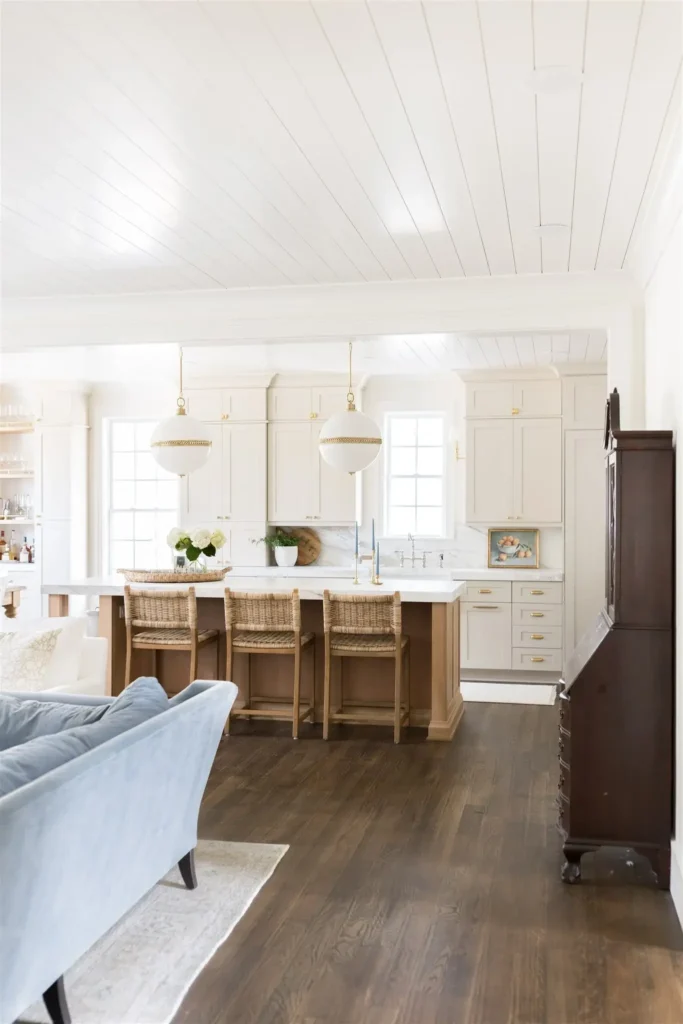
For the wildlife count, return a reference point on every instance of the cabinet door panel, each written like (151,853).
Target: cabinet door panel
(244,471)
(205,404)
(538,471)
(289,404)
(326,402)
(203,487)
(335,492)
(489,471)
(244,404)
(583,402)
(485,635)
(289,472)
(54,473)
(490,398)
(537,397)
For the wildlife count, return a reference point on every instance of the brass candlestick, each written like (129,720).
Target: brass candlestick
(374,577)
(355,568)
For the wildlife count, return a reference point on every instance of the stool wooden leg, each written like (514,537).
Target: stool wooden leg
(154,664)
(397,696)
(297,692)
(248,701)
(193,662)
(228,673)
(326,691)
(129,658)
(313,682)
(218,656)
(407,675)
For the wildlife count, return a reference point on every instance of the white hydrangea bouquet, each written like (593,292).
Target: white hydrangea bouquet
(194,543)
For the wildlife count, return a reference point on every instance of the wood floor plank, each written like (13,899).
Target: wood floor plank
(422,887)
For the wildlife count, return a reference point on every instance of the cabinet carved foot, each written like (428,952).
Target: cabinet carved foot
(571,872)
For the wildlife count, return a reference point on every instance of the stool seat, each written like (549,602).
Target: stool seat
(365,643)
(172,636)
(266,638)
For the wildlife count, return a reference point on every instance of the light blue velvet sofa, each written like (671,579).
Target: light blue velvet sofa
(80,845)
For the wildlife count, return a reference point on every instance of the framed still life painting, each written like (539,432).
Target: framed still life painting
(518,549)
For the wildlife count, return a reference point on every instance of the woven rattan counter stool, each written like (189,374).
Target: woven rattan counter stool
(165,620)
(269,624)
(360,626)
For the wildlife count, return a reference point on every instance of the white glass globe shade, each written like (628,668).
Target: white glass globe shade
(350,441)
(181,444)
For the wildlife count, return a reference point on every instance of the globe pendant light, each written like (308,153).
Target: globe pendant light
(181,444)
(350,441)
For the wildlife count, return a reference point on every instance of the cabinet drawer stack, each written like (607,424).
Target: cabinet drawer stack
(512,626)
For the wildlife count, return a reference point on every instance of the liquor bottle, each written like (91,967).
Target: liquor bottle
(3,543)
(12,546)
(24,554)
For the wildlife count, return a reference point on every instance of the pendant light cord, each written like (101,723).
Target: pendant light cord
(350,397)
(181,401)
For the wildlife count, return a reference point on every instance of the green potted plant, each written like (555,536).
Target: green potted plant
(283,545)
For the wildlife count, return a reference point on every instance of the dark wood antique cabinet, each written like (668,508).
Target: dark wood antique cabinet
(616,704)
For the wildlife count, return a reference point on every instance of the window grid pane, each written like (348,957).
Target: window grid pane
(415,475)
(143,499)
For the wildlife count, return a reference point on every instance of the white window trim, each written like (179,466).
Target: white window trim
(446,522)
(107,465)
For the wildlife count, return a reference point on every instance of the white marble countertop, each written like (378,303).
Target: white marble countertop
(424,591)
(407,573)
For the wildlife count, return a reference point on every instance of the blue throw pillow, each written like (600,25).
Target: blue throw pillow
(22,720)
(19,765)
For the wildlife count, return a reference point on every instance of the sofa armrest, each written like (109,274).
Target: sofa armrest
(93,662)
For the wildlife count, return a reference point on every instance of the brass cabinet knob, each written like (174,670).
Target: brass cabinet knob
(312,415)
(225,416)
(516,412)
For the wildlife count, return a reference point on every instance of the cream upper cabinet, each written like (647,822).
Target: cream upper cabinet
(232,482)
(305,403)
(583,402)
(536,398)
(289,404)
(214,404)
(485,635)
(538,471)
(490,398)
(520,398)
(241,543)
(514,471)
(334,492)
(302,487)
(490,470)
(291,472)
(244,471)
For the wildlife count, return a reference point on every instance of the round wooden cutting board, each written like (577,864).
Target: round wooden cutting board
(309,544)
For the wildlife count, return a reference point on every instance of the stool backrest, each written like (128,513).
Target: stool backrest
(362,613)
(160,609)
(275,613)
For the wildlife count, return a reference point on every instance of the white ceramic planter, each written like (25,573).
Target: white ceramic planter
(286,556)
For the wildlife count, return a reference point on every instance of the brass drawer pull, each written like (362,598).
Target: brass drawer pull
(538,659)
(486,607)
(485,591)
(538,591)
(538,636)
(537,615)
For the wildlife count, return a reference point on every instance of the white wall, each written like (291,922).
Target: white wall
(656,260)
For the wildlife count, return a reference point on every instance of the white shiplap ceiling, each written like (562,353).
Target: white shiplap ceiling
(409,354)
(200,145)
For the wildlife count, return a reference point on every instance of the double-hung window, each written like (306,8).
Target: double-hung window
(415,493)
(142,500)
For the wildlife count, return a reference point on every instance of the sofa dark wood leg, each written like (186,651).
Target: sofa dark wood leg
(186,865)
(54,998)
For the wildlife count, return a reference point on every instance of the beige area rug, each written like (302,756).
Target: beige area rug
(139,972)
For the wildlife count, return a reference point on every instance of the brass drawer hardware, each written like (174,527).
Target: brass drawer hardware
(538,659)
(225,416)
(486,607)
(538,636)
(312,415)
(485,591)
(537,615)
(538,591)
(516,412)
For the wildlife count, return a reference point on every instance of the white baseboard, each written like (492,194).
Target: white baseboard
(677,879)
(509,693)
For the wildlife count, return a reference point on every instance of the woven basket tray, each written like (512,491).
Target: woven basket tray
(168,576)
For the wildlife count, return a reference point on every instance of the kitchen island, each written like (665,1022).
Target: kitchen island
(431,618)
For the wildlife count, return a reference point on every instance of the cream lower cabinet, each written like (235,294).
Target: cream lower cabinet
(302,488)
(514,471)
(485,635)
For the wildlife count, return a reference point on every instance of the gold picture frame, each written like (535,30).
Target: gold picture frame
(522,552)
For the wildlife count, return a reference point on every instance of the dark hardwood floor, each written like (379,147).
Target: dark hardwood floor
(422,887)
